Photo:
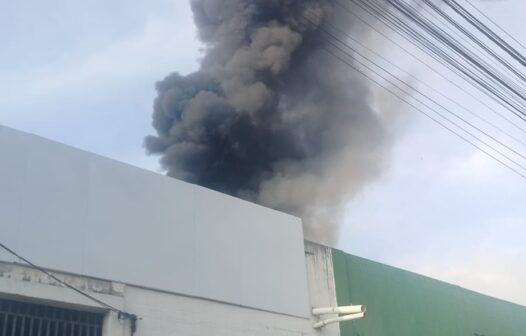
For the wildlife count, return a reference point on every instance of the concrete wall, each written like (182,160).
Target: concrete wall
(163,315)
(160,313)
(322,286)
(69,210)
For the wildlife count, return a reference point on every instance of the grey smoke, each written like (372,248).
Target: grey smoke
(270,116)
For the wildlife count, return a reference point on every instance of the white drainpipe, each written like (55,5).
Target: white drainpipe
(347,313)
(338,310)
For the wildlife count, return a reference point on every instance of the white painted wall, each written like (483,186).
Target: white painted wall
(161,313)
(322,287)
(73,211)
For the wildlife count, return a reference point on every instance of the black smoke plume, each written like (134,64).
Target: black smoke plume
(271,116)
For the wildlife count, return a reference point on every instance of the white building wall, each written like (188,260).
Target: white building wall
(163,314)
(322,287)
(160,313)
(186,260)
(73,211)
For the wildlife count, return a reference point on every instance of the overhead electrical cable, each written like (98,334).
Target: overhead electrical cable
(458,34)
(431,68)
(476,40)
(401,27)
(397,25)
(511,90)
(484,120)
(472,61)
(521,170)
(486,31)
(475,63)
(437,55)
(440,35)
(495,23)
(414,89)
(400,97)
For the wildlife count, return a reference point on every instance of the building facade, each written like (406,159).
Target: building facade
(119,251)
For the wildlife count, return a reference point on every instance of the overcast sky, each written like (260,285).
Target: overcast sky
(82,73)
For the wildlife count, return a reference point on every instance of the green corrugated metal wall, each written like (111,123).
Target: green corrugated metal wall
(401,303)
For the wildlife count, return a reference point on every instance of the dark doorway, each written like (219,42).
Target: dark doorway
(28,319)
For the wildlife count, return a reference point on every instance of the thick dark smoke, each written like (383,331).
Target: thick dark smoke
(271,116)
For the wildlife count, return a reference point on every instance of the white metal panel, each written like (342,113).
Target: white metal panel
(218,264)
(54,211)
(267,261)
(74,211)
(12,179)
(144,224)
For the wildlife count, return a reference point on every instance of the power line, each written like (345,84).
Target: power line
(430,99)
(426,85)
(403,99)
(427,115)
(472,65)
(495,23)
(480,73)
(402,28)
(447,40)
(441,106)
(445,20)
(476,40)
(486,31)
(122,314)
(427,65)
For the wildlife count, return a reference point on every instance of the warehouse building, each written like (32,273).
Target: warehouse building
(117,250)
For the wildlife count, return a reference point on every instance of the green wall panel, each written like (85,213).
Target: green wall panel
(401,303)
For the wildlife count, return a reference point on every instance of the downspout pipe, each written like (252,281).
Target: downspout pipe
(339,310)
(343,318)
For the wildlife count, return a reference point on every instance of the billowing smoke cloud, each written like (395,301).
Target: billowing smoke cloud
(271,116)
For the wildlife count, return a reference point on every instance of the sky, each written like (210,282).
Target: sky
(83,73)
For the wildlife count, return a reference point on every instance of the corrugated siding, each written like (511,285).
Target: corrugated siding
(401,303)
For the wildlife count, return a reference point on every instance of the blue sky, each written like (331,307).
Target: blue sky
(83,73)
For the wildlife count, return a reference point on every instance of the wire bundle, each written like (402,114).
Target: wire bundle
(467,50)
